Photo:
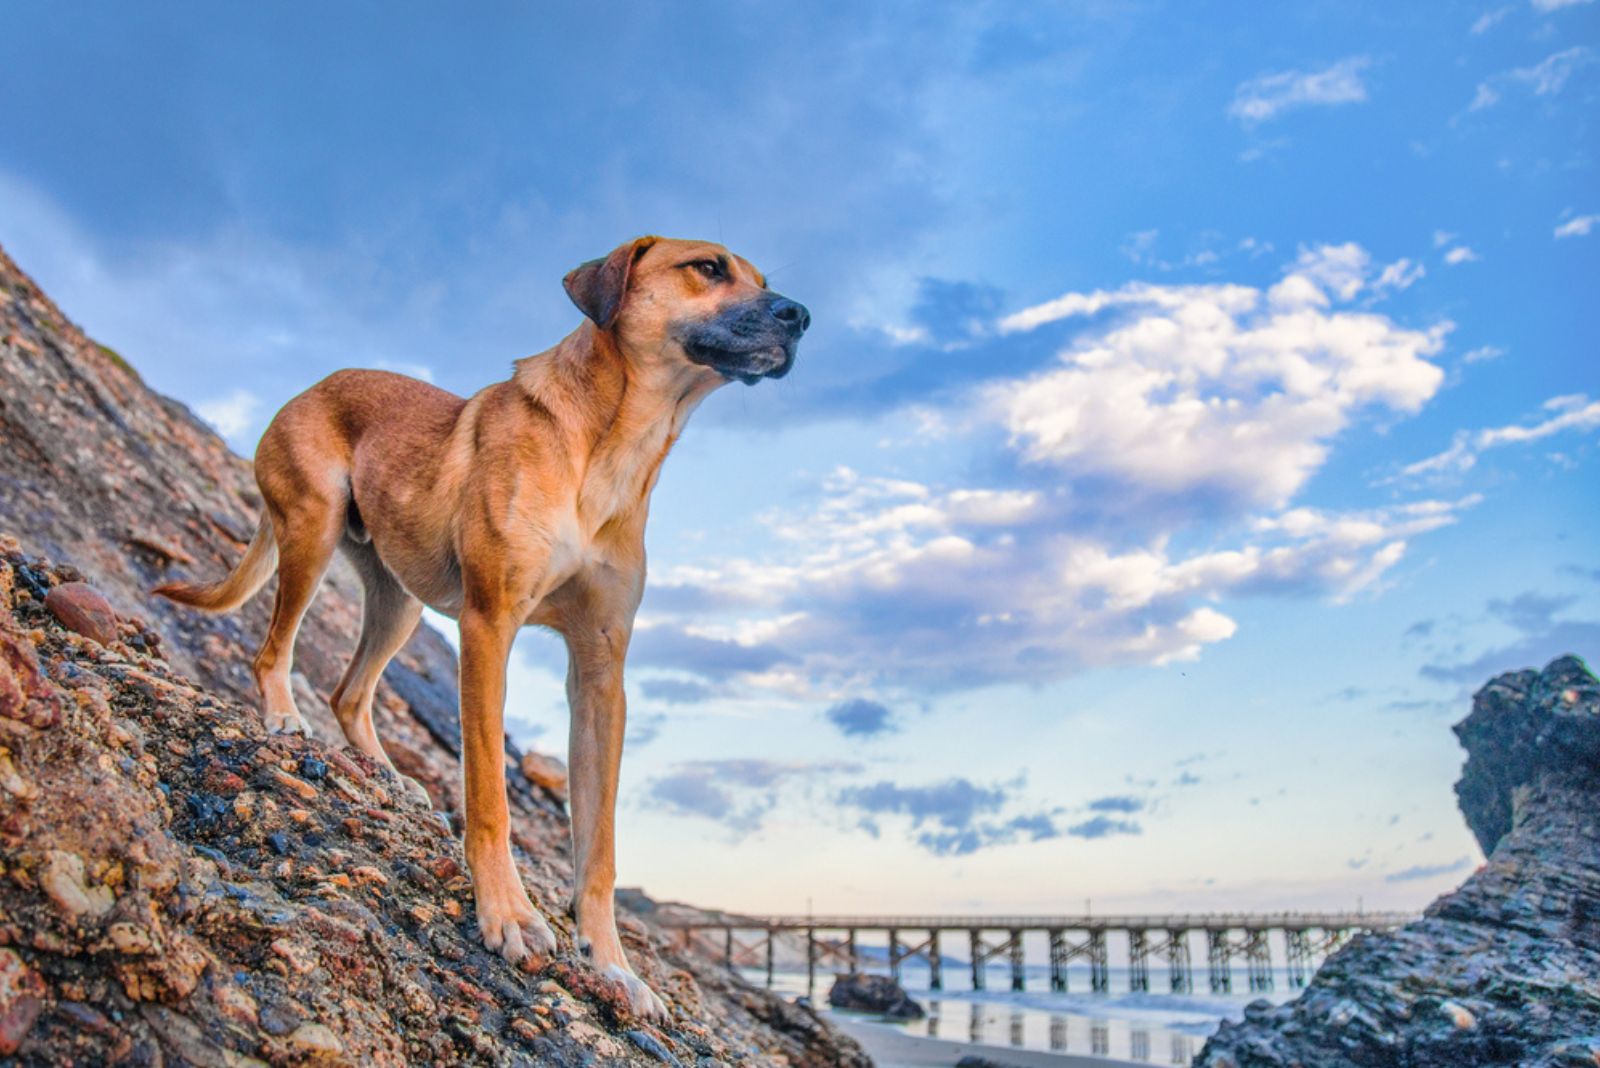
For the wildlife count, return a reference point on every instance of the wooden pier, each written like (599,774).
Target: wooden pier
(833,942)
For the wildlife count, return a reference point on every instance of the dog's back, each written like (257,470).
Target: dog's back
(390,428)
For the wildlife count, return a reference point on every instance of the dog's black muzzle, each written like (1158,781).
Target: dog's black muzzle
(748,341)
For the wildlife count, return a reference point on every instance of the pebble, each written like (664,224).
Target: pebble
(1459,1015)
(316,1040)
(83,609)
(652,1045)
(12,783)
(66,883)
(21,1000)
(279,1018)
(547,772)
(25,696)
(298,958)
(295,784)
(129,938)
(235,1003)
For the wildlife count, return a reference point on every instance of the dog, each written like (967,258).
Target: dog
(523,504)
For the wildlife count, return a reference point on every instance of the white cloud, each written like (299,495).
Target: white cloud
(1482,354)
(1459,255)
(1489,18)
(230,415)
(1545,78)
(1401,274)
(904,335)
(1571,412)
(1140,245)
(1340,269)
(1268,95)
(1555,5)
(1484,97)
(1578,227)
(1223,391)
(884,584)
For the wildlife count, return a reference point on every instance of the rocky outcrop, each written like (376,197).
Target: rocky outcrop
(1505,970)
(877,994)
(102,473)
(179,887)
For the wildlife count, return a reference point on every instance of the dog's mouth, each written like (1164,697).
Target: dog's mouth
(748,366)
(749,341)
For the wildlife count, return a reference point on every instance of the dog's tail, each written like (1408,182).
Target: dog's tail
(246,580)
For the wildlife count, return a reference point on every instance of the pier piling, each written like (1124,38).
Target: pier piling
(1058,961)
(1138,960)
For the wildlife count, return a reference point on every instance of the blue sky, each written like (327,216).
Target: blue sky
(1200,402)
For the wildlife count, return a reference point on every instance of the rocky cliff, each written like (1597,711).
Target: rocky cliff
(1505,970)
(176,886)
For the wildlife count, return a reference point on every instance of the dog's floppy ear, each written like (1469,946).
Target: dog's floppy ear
(597,287)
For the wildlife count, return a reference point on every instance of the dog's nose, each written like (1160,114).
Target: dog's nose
(790,313)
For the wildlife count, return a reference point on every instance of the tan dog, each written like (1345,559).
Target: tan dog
(524,504)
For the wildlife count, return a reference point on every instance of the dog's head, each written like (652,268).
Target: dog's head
(690,301)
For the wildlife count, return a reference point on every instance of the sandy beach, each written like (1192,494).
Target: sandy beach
(890,1048)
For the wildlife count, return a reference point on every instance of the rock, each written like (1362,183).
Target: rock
(546,772)
(877,994)
(315,1042)
(1504,970)
(1513,737)
(64,880)
(83,609)
(21,994)
(652,1045)
(24,697)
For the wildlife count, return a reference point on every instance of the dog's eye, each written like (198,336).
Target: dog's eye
(709,269)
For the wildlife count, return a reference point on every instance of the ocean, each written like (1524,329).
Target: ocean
(1153,1027)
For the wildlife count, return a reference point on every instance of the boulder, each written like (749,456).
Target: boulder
(877,994)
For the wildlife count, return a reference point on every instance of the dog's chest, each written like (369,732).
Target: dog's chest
(603,524)
(598,523)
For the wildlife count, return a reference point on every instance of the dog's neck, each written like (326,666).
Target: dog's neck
(630,414)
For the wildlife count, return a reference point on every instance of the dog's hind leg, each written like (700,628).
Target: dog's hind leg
(389,615)
(307,533)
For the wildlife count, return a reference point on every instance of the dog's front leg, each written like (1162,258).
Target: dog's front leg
(506,916)
(596,647)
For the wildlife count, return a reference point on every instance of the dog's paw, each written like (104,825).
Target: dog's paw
(641,1000)
(415,790)
(286,723)
(516,937)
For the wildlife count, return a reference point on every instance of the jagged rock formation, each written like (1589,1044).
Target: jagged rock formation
(176,886)
(1505,970)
